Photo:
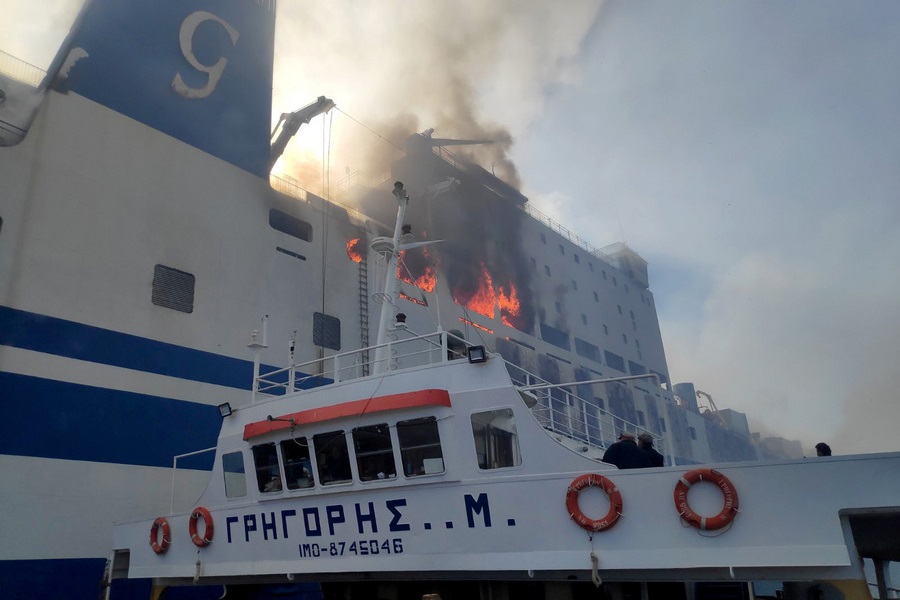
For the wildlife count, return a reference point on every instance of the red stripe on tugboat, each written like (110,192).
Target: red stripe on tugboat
(349,409)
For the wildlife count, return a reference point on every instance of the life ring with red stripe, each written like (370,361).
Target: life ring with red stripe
(160,545)
(725,516)
(615,502)
(208,529)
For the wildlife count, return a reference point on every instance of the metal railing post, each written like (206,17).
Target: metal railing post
(174,470)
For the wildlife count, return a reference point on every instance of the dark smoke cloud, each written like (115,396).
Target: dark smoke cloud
(400,67)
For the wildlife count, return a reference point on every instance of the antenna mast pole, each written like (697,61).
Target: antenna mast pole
(391,250)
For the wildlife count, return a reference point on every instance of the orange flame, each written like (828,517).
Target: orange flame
(483,300)
(427,279)
(353,250)
(413,300)
(509,305)
(475,325)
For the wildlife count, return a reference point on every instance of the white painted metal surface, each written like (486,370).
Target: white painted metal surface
(471,522)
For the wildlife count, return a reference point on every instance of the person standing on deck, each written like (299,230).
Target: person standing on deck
(645,443)
(625,454)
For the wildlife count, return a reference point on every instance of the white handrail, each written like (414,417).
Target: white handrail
(175,468)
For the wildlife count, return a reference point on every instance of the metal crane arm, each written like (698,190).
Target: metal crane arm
(290,123)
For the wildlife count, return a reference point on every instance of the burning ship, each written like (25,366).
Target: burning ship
(142,240)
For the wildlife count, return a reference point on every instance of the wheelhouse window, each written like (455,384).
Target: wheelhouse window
(265,458)
(374,452)
(420,447)
(298,471)
(496,442)
(235,478)
(332,457)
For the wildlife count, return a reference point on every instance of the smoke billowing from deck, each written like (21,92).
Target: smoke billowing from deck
(395,69)
(401,67)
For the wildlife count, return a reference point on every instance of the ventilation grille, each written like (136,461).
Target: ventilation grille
(173,289)
(326,331)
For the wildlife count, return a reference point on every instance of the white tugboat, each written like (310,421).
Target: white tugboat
(435,467)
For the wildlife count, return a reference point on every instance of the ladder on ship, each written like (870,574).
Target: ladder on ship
(364,311)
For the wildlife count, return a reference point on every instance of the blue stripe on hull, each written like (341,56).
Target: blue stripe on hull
(81,579)
(75,579)
(55,419)
(31,331)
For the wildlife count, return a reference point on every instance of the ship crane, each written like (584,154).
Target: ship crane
(713,410)
(290,123)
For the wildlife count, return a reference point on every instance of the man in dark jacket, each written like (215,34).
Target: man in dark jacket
(626,455)
(645,443)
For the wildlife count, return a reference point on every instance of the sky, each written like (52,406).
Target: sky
(748,150)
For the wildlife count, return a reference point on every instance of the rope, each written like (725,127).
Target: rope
(369,129)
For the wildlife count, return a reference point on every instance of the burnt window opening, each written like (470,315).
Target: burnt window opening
(614,361)
(326,331)
(557,337)
(636,368)
(292,226)
(587,350)
(173,289)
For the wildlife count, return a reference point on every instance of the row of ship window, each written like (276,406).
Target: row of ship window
(324,459)
(615,282)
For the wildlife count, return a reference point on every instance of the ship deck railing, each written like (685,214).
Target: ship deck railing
(558,408)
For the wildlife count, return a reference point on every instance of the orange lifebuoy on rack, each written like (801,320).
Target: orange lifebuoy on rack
(725,516)
(160,545)
(201,513)
(615,502)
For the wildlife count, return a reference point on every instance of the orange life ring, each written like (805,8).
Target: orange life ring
(160,546)
(615,502)
(725,516)
(201,513)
